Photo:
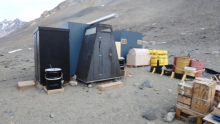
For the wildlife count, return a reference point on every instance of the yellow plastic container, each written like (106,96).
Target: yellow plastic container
(153,61)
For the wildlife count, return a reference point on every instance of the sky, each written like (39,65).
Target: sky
(25,10)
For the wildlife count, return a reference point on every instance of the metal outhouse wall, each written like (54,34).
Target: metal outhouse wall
(98,58)
(128,40)
(75,41)
(51,48)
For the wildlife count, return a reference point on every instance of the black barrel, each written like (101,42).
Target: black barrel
(122,63)
(53,78)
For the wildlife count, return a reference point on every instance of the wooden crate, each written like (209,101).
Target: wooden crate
(202,106)
(204,90)
(183,105)
(188,89)
(184,100)
(180,109)
(216,111)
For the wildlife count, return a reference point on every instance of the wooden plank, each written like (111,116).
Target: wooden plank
(26,85)
(196,90)
(55,91)
(209,119)
(190,111)
(199,120)
(110,86)
(183,105)
(178,112)
(184,99)
(216,112)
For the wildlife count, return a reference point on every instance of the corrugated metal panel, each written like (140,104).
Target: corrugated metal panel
(77,31)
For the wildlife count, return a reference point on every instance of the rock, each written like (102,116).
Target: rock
(156,89)
(147,84)
(52,115)
(89,85)
(149,114)
(169,117)
(6,66)
(169,89)
(1,55)
(73,83)
(141,87)
(136,93)
(215,52)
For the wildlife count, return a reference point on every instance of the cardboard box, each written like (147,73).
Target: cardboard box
(201,106)
(188,89)
(184,100)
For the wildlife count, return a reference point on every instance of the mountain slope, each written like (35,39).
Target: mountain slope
(8,26)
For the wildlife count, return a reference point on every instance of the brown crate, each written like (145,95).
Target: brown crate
(204,90)
(199,105)
(183,105)
(185,100)
(188,89)
(216,111)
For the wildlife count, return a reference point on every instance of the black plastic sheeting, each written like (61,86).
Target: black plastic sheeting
(98,58)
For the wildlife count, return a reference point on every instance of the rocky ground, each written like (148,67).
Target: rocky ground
(177,26)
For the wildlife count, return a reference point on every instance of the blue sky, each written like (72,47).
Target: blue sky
(26,10)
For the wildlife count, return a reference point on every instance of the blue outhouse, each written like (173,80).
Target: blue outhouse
(128,40)
(76,35)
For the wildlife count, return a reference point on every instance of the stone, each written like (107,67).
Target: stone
(156,89)
(147,84)
(215,52)
(73,83)
(149,114)
(6,66)
(169,117)
(89,85)
(1,55)
(113,95)
(52,115)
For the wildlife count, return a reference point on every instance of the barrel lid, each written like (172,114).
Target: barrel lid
(53,69)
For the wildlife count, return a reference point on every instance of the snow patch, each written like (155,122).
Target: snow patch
(4,25)
(15,51)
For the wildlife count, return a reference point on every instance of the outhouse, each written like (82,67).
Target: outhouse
(138,57)
(51,49)
(125,40)
(75,41)
(98,58)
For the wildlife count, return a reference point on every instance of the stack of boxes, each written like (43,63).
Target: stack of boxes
(159,57)
(197,95)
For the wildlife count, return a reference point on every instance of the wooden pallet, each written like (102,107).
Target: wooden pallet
(180,109)
(55,91)
(136,66)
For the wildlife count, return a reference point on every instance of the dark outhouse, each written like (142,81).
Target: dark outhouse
(128,40)
(77,31)
(98,58)
(51,48)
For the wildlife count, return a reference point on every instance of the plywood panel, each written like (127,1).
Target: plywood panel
(118,48)
(184,99)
